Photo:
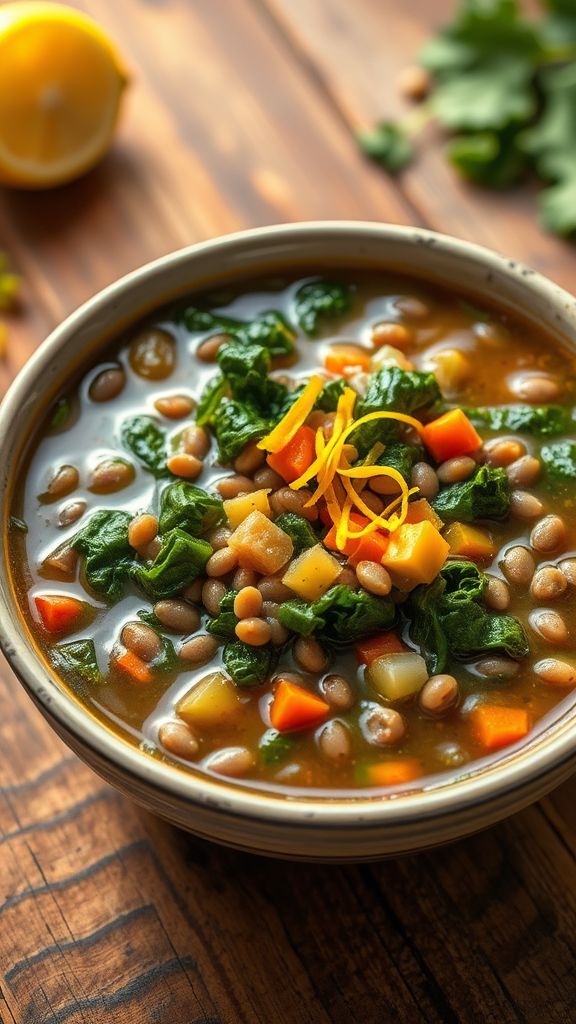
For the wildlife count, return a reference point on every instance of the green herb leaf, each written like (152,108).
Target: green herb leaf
(299,530)
(328,398)
(274,746)
(539,420)
(248,666)
(189,508)
(559,460)
(270,328)
(487,158)
(393,389)
(317,301)
(401,457)
(341,615)
(146,440)
(387,144)
(245,369)
(489,97)
(79,658)
(108,557)
(210,400)
(179,562)
(486,495)
(235,425)
(224,624)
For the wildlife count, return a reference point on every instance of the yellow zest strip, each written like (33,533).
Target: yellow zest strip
(284,431)
(343,527)
(343,418)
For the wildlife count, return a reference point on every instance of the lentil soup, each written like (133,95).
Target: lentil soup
(311,532)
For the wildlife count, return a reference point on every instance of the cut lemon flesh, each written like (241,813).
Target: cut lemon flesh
(61,82)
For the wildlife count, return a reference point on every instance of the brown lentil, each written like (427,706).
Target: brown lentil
(253,631)
(71,512)
(311,657)
(210,348)
(186,466)
(178,739)
(212,593)
(278,634)
(177,615)
(334,741)
(65,480)
(523,471)
(199,648)
(548,583)
(348,577)
(374,578)
(152,354)
(537,389)
(270,609)
(248,603)
(504,452)
(221,562)
(142,530)
(384,727)
(232,761)
(555,672)
(337,692)
(454,470)
(425,479)
(195,441)
(142,640)
(496,594)
(518,565)
(287,500)
(383,485)
(438,694)
(267,477)
(272,589)
(193,593)
(549,625)
(549,534)
(107,385)
(244,578)
(390,333)
(525,505)
(219,537)
(232,486)
(111,475)
(174,407)
(373,501)
(497,668)
(250,459)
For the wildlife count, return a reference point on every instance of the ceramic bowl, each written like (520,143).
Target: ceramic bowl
(368,826)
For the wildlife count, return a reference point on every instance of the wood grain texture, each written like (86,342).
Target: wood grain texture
(240,114)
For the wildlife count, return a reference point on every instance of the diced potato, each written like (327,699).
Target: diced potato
(238,509)
(451,367)
(260,544)
(388,356)
(416,552)
(397,676)
(312,573)
(211,701)
(469,541)
(419,511)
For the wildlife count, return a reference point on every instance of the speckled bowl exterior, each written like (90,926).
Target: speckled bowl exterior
(370,825)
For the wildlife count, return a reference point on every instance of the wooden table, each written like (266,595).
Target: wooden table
(241,113)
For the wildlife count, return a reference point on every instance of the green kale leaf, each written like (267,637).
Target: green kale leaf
(559,459)
(224,624)
(328,398)
(316,301)
(78,658)
(487,158)
(147,441)
(486,495)
(299,530)
(401,457)
(245,369)
(248,666)
(190,509)
(269,328)
(210,399)
(108,557)
(393,390)
(235,425)
(341,615)
(539,420)
(178,563)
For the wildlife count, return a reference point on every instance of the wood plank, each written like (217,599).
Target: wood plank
(357,51)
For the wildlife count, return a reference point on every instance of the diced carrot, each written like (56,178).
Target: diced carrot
(470,542)
(450,435)
(58,613)
(416,552)
(386,643)
(329,541)
(495,726)
(135,667)
(292,460)
(394,773)
(347,359)
(420,510)
(370,548)
(294,708)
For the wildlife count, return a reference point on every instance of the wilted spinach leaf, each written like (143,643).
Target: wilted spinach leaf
(108,557)
(189,508)
(486,495)
(180,560)
(320,300)
(248,666)
(146,440)
(341,615)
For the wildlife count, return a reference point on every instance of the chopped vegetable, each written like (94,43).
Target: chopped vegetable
(416,552)
(559,460)
(79,658)
(397,675)
(330,395)
(420,511)
(495,726)
(189,508)
(295,708)
(540,420)
(470,542)
(403,391)
(235,425)
(298,529)
(293,460)
(109,558)
(224,624)
(312,573)
(260,544)
(209,403)
(371,548)
(346,359)
(394,773)
(486,495)
(342,615)
(451,435)
(248,666)
(386,643)
(293,418)
(269,328)
(238,509)
(274,747)
(138,670)
(317,301)
(180,560)
(59,613)
(212,701)
(147,441)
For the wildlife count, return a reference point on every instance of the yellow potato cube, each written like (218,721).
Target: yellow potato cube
(312,573)
(397,676)
(451,367)
(238,509)
(211,701)
(260,544)
(416,552)
(468,541)
(420,510)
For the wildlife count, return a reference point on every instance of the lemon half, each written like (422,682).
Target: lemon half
(61,83)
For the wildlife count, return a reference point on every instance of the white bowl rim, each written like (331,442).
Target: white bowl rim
(235,799)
